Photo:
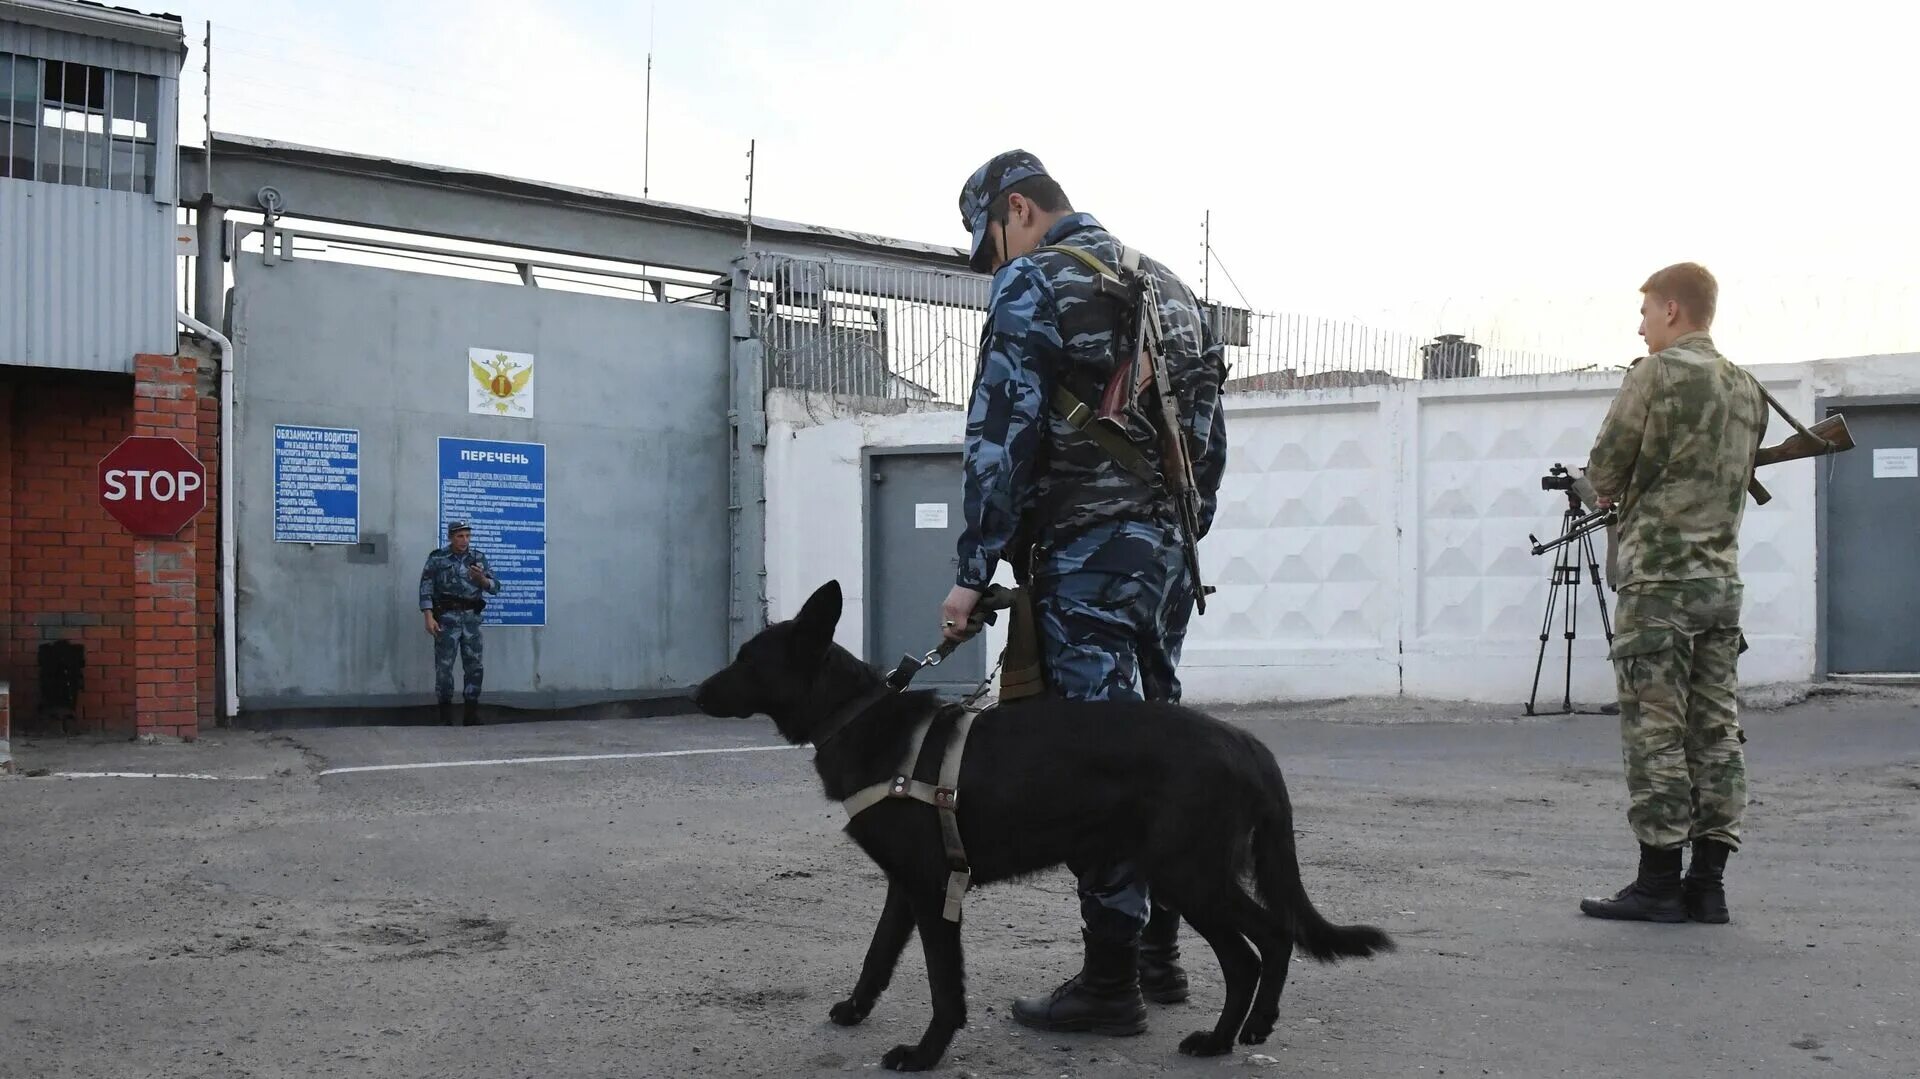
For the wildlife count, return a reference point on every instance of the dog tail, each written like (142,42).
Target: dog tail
(1276,869)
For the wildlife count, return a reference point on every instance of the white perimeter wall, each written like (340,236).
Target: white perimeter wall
(1369,541)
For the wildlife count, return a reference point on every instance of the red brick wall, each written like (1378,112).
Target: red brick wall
(142,607)
(167,621)
(71,564)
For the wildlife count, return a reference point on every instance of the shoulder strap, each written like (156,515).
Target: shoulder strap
(1091,260)
(1079,415)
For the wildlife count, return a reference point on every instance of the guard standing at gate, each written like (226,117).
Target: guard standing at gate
(1675,454)
(454,585)
(1095,537)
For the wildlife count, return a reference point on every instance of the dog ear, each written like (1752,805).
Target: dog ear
(821,612)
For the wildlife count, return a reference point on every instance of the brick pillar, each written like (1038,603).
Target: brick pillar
(8,496)
(166,619)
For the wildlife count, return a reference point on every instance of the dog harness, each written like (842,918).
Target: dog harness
(943,796)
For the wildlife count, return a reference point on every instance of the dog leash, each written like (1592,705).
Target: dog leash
(995,599)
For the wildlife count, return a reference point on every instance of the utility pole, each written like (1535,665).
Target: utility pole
(1206,268)
(750,164)
(646,126)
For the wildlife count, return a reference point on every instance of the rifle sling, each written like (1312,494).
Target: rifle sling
(1784,414)
(1080,416)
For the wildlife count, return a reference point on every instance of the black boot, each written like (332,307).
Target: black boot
(1103,998)
(1654,896)
(446,713)
(1706,895)
(469,713)
(1161,979)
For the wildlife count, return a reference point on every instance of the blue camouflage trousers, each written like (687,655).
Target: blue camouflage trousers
(1103,603)
(459,633)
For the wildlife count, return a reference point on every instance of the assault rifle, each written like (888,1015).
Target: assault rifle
(1828,436)
(1107,424)
(1175,463)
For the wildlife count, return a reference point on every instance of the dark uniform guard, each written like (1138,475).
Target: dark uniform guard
(1080,506)
(454,585)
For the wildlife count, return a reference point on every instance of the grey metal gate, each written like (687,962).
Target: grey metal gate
(913,523)
(630,409)
(1870,526)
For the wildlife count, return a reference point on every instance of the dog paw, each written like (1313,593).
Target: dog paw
(908,1058)
(1202,1043)
(849,1012)
(1258,1026)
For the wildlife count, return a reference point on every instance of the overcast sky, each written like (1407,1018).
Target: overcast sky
(1509,169)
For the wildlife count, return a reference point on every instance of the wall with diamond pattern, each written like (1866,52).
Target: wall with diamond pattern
(1374,541)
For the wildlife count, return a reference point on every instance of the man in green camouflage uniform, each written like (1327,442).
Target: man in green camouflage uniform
(1674,456)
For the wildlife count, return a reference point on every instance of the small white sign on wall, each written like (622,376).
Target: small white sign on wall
(1896,464)
(930,515)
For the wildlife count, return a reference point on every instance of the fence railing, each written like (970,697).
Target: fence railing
(863,330)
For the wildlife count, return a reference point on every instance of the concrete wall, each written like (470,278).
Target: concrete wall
(630,401)
(1370,541)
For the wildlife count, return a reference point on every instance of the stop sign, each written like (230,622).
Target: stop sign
(153,486)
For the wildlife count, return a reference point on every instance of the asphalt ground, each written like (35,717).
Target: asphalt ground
(677,901)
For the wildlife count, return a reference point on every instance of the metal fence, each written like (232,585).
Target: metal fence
(855,329)
(862,330)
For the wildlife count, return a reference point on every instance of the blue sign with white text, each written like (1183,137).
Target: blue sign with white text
(316,484)
(500,488)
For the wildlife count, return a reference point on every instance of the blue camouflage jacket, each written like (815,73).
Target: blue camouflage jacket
(445,577)
(1029,477)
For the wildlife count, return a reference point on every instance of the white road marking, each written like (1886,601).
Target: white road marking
(144,775)
(549,760)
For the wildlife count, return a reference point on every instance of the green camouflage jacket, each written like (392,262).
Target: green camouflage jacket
(1675,454)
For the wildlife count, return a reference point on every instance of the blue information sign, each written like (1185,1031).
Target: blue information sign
(316,484)
(500,488)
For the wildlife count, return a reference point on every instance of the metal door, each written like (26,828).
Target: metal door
(1872,528)
(913,523)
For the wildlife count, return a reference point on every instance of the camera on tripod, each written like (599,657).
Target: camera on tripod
(1575,560)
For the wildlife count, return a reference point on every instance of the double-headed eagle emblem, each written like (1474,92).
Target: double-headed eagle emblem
(500,380)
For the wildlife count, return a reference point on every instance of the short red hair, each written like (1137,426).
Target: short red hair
(1689,285)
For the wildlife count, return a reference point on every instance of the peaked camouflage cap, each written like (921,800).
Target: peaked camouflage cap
(986,184)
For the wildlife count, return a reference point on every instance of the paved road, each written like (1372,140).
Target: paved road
(695,915)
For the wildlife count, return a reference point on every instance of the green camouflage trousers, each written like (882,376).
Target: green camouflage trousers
(1675,650)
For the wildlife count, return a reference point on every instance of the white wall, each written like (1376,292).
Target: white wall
(1369,541)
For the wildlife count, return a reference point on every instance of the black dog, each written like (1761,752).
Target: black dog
(1189,800)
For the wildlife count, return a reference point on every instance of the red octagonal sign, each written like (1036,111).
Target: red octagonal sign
(153,486)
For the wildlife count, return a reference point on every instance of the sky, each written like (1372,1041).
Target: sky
(1509,170)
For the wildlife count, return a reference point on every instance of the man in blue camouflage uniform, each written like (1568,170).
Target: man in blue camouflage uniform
(1097,545)
(454,585)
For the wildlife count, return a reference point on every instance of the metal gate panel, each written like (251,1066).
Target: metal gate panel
(631,405)
(1870,523)
(913,528)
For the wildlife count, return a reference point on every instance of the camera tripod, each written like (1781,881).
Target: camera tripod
(1576,538)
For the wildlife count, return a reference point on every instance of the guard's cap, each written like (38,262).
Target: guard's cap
(986,184)
(457,526)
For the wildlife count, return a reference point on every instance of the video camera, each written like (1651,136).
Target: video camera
(1557,479)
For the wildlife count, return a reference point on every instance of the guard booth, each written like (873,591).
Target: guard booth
(101,629)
